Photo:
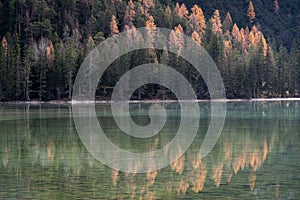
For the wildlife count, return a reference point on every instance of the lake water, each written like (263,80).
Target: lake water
(256,157)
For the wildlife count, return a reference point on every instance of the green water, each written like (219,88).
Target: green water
(256,157)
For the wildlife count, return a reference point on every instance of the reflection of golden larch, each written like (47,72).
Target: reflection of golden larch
(265,153)
(217,174)
(114,176)
(183,186)
(227,152)
(151,177)
(178,165)
(252,179)
(91,160)
(243,160)
(133,188)
(277,187)
(169,188)
(142,191)
(198,182)
(271,143)
(236,164)
(149,196)
(229,176)
(50,149)
(255,160)
(196,162)
(5,157)
(155,144)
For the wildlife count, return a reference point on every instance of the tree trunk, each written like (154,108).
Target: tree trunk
(70,84)
(27,98)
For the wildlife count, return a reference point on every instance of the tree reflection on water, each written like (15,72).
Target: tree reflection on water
(43,157)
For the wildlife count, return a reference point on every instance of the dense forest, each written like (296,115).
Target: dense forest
(254,44)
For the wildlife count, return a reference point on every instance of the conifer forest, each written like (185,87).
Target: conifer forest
(255,45)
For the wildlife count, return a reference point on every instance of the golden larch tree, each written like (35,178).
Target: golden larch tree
(235,31)
(264,45)
(5,45)
(243,39)
(228,17)
(251,12)
(150,39)
(146,5)
(50,54)
(183,12)
(168,11)
(113,26)
(228,22)
(177,39)
(129,13)
(197,20)
(276,6)
(227,49)
(196,37)
(216,23)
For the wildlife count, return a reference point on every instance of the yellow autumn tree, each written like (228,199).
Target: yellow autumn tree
(113,26)
(168,11)
(50,54)
(146,4)
(151,31)
(228,22)
(5,45)
(129,13)
(243,39)
(196,37)
(216,23)
(235,31)
(197,20)
(181,10)
(151,28)
(251,12)
(276,6)
(177,39)
(227,49)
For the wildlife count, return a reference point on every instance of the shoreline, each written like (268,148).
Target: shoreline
(149,101)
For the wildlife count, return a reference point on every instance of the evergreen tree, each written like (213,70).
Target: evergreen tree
(282,64)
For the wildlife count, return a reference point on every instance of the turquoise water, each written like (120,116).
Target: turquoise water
(256,157)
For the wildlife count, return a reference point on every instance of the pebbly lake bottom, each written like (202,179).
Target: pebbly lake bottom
(256,157)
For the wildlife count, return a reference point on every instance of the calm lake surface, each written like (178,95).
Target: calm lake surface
(256,157)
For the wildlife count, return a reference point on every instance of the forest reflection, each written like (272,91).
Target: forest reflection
(42,155)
